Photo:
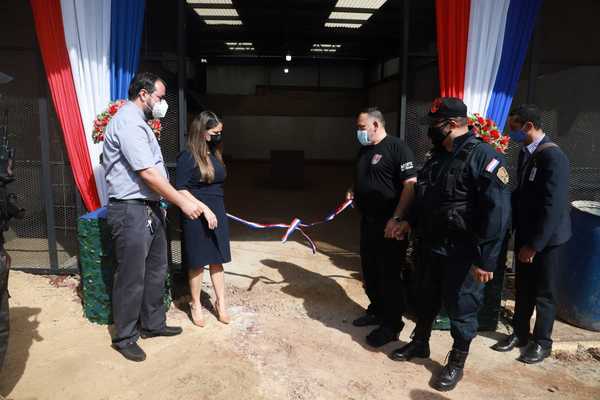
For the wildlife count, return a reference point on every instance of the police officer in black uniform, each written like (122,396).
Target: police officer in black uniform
(383,190)
(460,215)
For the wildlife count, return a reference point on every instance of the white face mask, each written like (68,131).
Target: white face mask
(160,109)
(363,137)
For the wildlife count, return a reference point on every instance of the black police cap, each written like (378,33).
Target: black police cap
(444,108)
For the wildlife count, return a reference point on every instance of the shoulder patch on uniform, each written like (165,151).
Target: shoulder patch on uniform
(502,174)
(492,165)
(406,166)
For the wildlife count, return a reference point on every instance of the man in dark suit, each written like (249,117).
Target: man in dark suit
(542,224)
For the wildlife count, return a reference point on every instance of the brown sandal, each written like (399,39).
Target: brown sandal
(225,319)
(195,320)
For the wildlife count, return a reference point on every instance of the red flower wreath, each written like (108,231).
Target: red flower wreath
(104,117)
(487,130)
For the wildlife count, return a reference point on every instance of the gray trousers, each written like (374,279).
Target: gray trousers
(141,270)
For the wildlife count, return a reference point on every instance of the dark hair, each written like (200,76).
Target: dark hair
(374,112)
(143,80)
(527,113)
(199,147)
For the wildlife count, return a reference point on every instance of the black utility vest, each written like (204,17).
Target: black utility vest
(445,197)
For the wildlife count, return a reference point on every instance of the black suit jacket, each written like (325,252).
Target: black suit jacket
(541,201)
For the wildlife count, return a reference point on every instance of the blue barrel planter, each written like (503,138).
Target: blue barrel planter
(578,283)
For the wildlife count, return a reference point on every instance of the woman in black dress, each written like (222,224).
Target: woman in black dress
(200,175)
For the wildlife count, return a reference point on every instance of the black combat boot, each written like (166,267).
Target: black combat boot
(452,372)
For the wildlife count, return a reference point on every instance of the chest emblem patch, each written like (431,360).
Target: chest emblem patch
(376,158)
(502,174)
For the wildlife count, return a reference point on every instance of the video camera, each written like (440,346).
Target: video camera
(9,207)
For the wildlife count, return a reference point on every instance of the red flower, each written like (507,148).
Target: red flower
(105,116)
(495,134)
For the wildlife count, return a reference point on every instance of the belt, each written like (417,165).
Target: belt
(139,202)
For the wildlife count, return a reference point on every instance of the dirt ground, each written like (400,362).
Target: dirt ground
(291,335)
(291,338)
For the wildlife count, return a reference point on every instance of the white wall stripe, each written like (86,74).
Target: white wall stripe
(87,34)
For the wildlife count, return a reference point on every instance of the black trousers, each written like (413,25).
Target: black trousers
(534,289)
(139,280)
(382,261)
(448,280)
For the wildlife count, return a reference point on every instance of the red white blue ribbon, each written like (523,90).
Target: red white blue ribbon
(295,225)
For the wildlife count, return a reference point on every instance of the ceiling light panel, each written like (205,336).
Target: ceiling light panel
(342,25)
(337,46)
(369,4)
(351,16)
(223,21)
(210,2)
(216,12)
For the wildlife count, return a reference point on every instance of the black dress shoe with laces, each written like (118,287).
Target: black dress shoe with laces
(132,352)
(534,353)
(366,320)
(452,372)
(167,331)
(381,336)
(414,349)
(509,343)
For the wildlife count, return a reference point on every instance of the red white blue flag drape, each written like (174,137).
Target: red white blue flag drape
(90,50)
(482,45)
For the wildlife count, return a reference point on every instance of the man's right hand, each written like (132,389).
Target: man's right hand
(402,230)
(191,209)
(349,195)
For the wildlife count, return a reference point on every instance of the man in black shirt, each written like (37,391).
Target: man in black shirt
(383,188)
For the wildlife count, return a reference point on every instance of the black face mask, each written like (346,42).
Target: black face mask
(437,135)
(215,139)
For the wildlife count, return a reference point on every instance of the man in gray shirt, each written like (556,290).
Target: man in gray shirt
(137,180)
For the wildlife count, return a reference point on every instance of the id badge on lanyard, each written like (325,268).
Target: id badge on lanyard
(532,174)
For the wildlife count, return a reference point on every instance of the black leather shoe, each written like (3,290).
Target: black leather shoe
(167,331)
(132,352)
(414,349)
(452,372)
(380,336)
(534,353)
(509,343)
(366,320)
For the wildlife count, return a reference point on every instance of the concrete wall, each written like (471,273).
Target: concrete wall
(238,79)
(311,109)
